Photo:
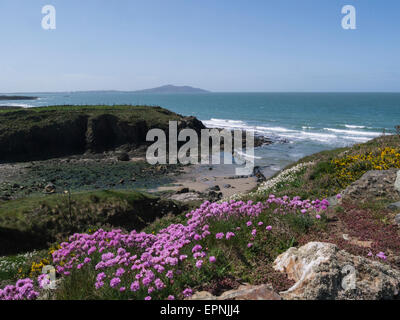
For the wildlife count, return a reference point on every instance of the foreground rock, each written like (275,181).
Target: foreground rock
(394,206)
(245,292)
(375,184)
(322,271)
(186,197)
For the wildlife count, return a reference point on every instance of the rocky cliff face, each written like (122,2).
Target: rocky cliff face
(45,133)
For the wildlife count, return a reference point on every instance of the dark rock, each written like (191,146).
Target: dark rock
(260,141)
(123,157)
(182,190)
(214,188)
(214,196)
(227,186)
(258,174)
(50,188)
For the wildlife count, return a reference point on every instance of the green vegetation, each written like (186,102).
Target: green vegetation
(35,222)
(335,169)
(41,116)
(86,175)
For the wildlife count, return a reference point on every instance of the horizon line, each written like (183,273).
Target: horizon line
(183,93)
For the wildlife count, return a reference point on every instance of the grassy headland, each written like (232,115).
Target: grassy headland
(47,132)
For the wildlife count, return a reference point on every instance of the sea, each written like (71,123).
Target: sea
(300,124)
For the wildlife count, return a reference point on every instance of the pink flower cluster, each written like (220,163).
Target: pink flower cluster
(147,263)
(23,290)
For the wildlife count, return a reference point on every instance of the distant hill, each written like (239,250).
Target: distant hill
(172,89)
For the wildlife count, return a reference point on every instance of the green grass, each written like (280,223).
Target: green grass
(33,222)
(50,115)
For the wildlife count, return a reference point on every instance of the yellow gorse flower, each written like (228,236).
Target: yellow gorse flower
(351,167)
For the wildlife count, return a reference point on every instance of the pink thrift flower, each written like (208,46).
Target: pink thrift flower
(381,255)
(212,259)
(135,286)
(219,236)
(269,228)
(229,235)
(99,284)
(120,272)
(249,245)
(187,293)
(199,264)
(115,282)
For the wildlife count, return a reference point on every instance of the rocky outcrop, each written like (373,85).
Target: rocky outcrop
(47,133)
(67,137)
(244,292)
(322,271)
(376,184)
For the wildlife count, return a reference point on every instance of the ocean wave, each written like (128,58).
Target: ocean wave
(307,133)
(246,156)
(273,129)
(354,132)
(350,126)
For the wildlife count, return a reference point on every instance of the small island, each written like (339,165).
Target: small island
(171,89)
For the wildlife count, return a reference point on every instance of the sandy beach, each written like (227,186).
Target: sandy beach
(199,178)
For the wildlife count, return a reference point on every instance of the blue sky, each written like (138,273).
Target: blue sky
(220,45)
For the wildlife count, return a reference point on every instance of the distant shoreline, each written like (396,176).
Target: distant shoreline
(10,107)
(17,98)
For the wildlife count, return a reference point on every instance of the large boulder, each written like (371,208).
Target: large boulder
(375,184)
(322,271)
(244,292)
